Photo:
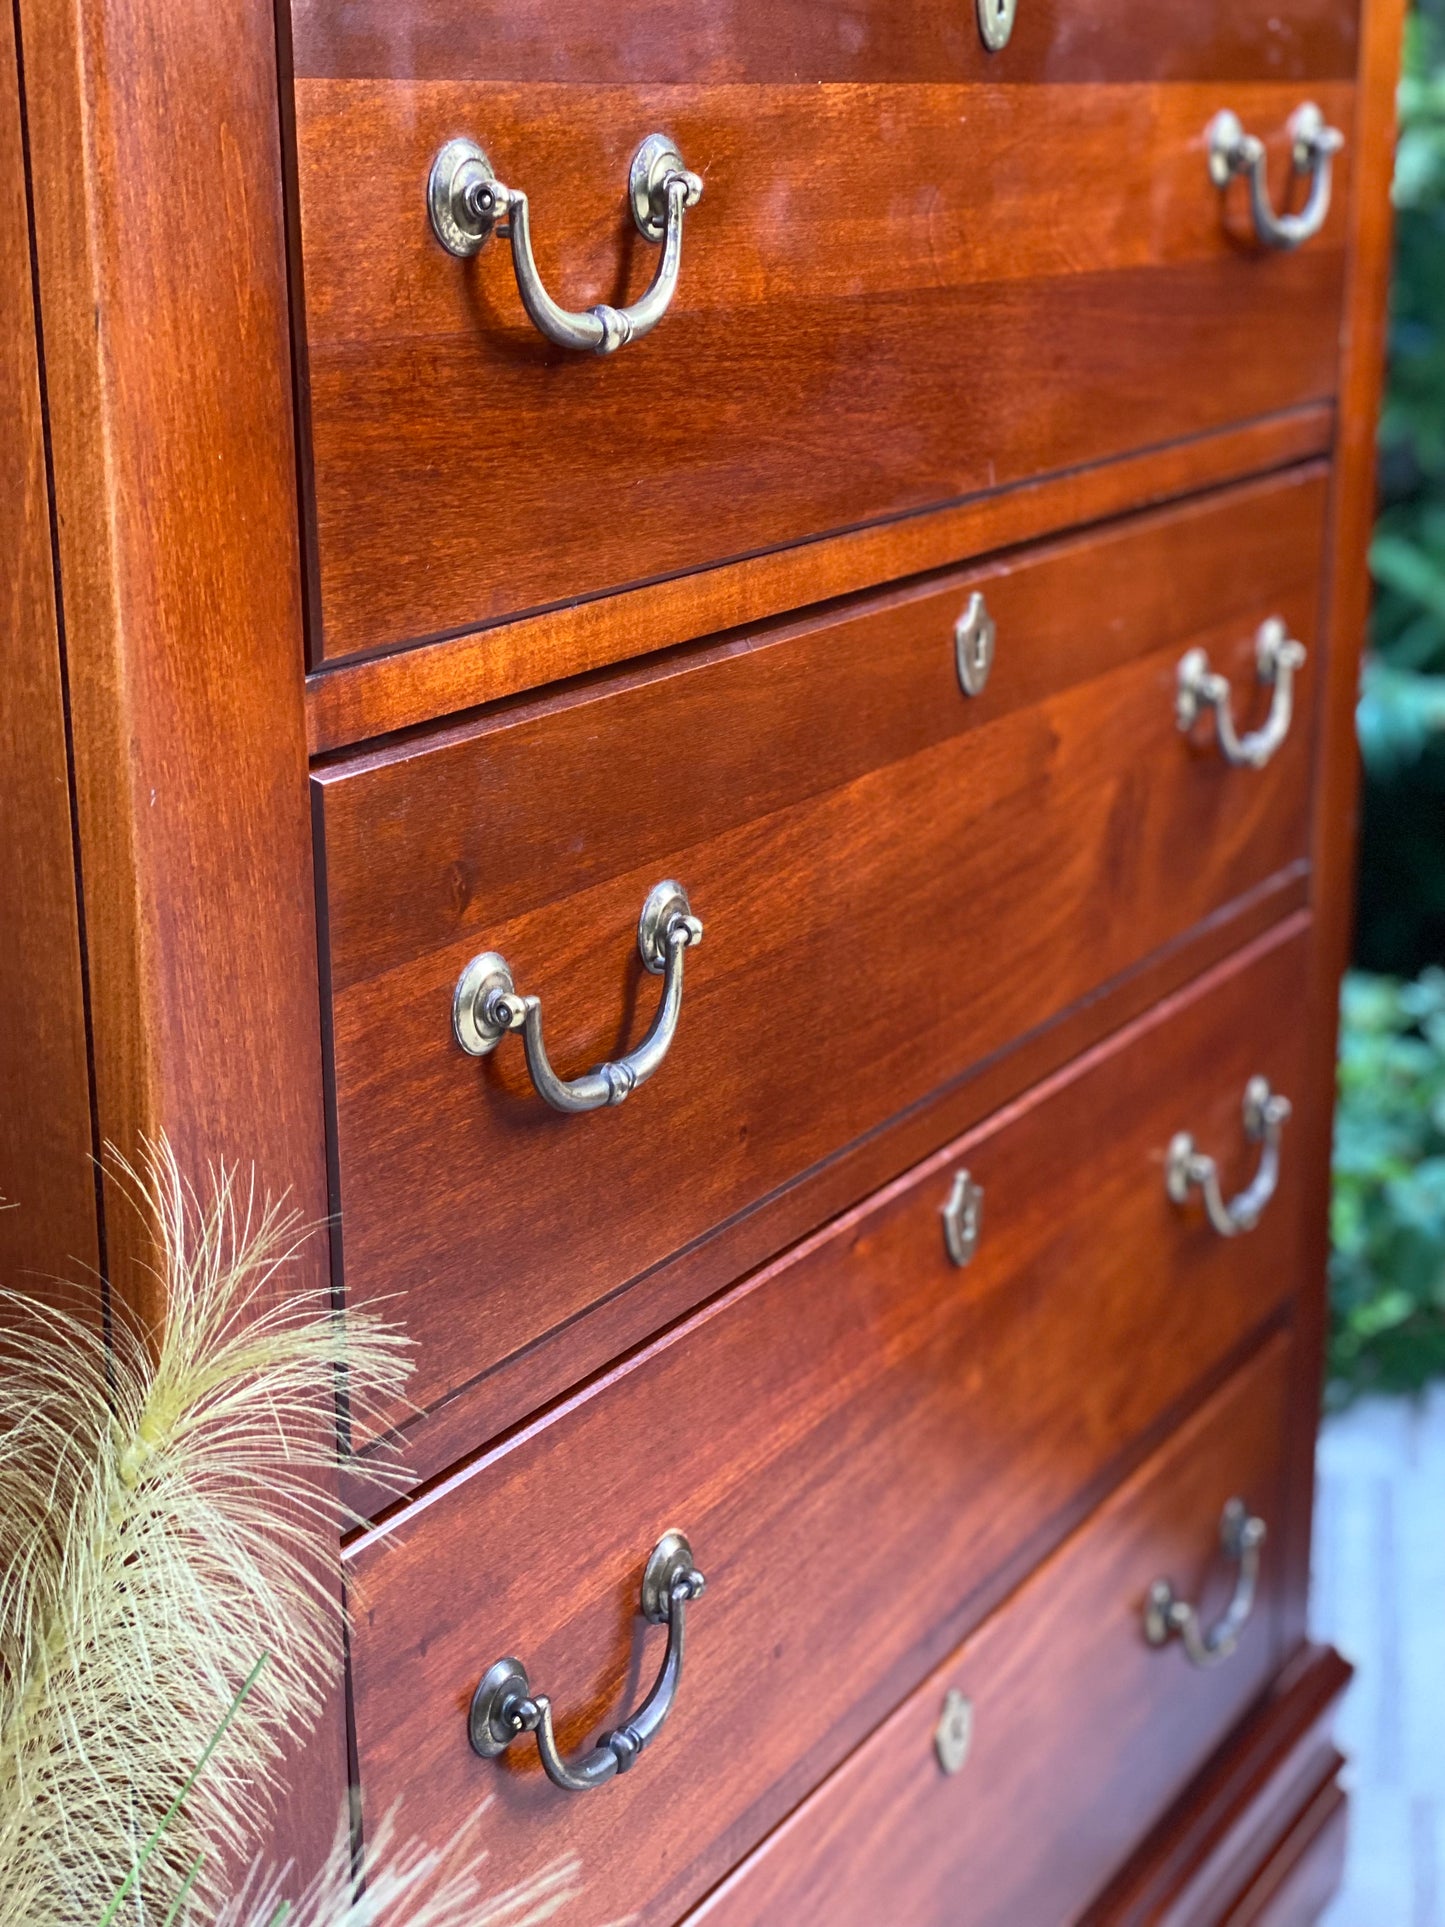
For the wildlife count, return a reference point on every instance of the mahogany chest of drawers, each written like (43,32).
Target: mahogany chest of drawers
(693,666)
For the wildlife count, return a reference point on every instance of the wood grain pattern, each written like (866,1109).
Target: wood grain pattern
(432,1444)
(1297,1883)
(49,1234)
(159,236)
(897,1428)
(375,696)
(896,882)
(669,42)
(1059,284)
(1083,1734)
(1245,1808)
(1336,777)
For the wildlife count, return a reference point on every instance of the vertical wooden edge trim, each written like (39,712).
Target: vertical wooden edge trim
(1337,768)
(51,1237)
(300,352)
(160,242)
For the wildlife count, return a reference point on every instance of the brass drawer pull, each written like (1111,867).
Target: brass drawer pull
(1314,146)
(486,1005)
(504,1705)
(468,203)
(1278,659)
(1167,1617)
(1187,1169)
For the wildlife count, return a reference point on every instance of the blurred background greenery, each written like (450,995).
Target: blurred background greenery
(1388,1268)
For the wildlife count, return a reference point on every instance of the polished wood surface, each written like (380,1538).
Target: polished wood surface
(489,1406)
(858,1442)
(1296,1885)
(961,303)
(1242,1814)
(813,787)
(811,375)
(377,695)
(671,42)
(1082,1733)
(1336,781)
(49,1239)
(160,245)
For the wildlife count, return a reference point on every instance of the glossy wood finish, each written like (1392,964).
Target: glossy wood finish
(374,696)
(1254,1813)
(810,377)
(492,1405)
(1082,1733)
(669,42)
(896,881)
(1336,783)
(865,1444)
(163,294)
(49,1234)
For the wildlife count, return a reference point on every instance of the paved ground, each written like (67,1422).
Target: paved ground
(1379,1594)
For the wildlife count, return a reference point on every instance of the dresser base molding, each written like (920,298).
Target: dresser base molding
(1259,1838)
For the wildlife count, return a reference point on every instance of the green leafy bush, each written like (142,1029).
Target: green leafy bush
(1387,1272)
(1402,714)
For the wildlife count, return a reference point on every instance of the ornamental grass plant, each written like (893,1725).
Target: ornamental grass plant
(166,1628)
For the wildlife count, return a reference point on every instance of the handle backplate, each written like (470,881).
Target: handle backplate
(468,204)
(504,1705)
(1313,146)
(1166,1616)
(1187,1168)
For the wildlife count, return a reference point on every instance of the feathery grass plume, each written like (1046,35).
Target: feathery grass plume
(406,1887)
(159,1505)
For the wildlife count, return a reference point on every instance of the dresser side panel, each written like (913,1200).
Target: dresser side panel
(48,1235)
(156,162)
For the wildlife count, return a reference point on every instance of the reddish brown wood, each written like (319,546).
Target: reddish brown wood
(896,882)
(1298,1882)
(667,42)
(347,702)
(1245,1808)
(157,205)
(1336,779)
(47,1178)
(858,1441)
(492,1405)
(1082,1732)
(808,379)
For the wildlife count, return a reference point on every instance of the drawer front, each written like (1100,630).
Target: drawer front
(865,1444)
(1080,1733)
(895,880)
(905,283)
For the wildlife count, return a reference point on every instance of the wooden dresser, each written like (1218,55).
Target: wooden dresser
(792,577)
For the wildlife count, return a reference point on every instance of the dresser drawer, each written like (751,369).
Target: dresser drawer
(895,880)
(866,1444)
(1078,1733)
(905,283)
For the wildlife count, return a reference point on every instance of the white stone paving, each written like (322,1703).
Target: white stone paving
(1379,1595)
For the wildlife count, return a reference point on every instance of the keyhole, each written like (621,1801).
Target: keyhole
(996,22)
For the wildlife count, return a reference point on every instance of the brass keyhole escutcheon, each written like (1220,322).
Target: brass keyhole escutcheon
(996,22)
(975,640)
(963,1219)
(954,1734)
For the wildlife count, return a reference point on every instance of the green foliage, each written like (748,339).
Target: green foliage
(1387,1272)
(1402,714)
